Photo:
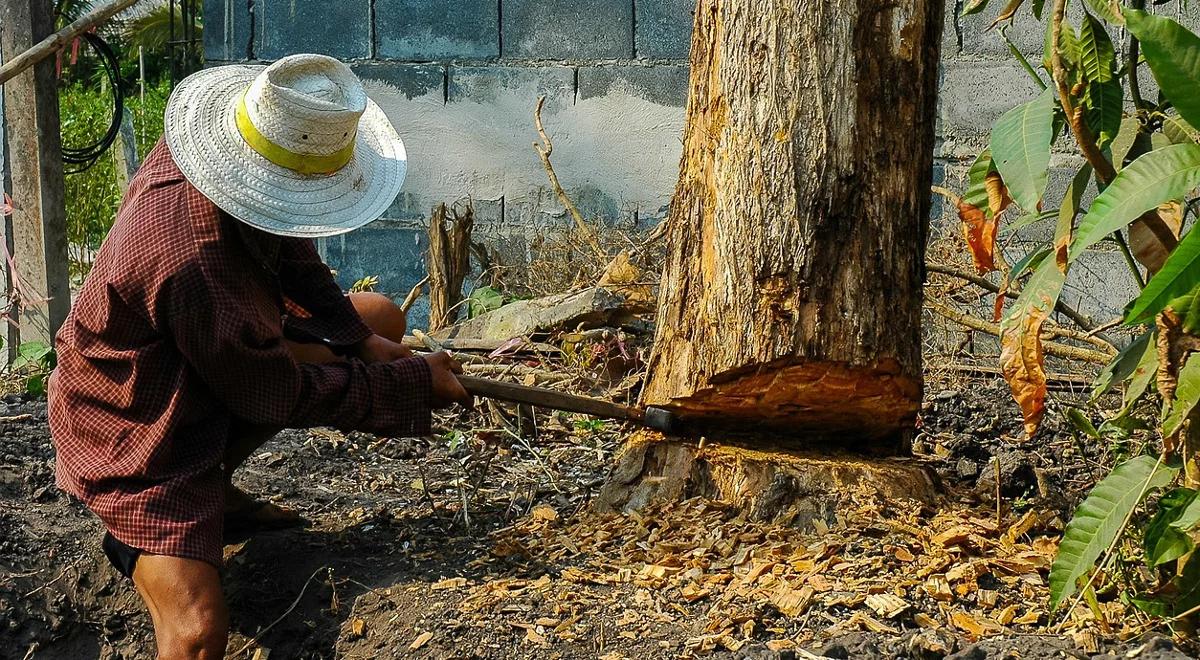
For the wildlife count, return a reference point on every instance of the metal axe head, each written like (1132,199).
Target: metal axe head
(659,419)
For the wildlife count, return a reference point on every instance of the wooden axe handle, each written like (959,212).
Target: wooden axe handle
(547,398)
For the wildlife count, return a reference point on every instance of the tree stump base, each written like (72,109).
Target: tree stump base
(790,487)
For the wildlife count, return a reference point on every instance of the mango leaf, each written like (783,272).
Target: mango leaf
(1038,7)
(1100,518)
(1163,541)
(1187,586)
(1082,423)
(1122,366)
(1154,235)
(975,212)
(1103,109)
(1021,359)
(1173,53)
(1109,10)
(1028,262)
(973,7)
(1008,12)
(1187,395)
(1068,43)
(483,300)
(1179,131)
(1021,149)
(1122,144)
(998,199)
(1178,275)
(1096,52)
(1156,177)
(976,193)
(1067,213)
(1189,517)
(1143,374)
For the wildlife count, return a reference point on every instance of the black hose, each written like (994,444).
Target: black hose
(85,157)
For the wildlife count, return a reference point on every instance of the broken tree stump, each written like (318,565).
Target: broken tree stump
(448,260)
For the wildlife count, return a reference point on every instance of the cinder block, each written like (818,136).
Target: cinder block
(390,251)
(341,29)
(567,29)
(664,28)
(227,31)
(411,80)
(662,84)
(437,30)
(973,95)
(1099,285)
(487,84)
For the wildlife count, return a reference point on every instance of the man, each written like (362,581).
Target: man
(209,322)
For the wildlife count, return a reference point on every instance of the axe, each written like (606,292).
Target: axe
(659,419)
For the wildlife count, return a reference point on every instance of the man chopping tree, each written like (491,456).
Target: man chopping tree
(209,322)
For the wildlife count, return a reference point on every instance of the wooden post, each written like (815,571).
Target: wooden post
(124,152)
(39,220)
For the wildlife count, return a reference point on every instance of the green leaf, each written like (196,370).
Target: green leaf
(483,300)
(1173,53)
(1122,366)
(1038,7)
(1068,43)
(1082,423)
(1108,10)
(974,7)
(1189,517)
(1162,541)
(1100,518)
(1021,149)
(1179,131)
(976,193)
(1179,274)
(1104,109)
(1127,135)
(1096,53)
(1187,395)
(1156,177)
(1143,374)
(1028,262)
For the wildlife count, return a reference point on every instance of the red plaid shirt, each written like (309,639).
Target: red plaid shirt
(176,337)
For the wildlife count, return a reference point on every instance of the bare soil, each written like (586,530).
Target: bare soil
(484,546)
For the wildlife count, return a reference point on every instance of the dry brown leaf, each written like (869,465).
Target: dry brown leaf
(1155,234)
(1024,366)
(903,554)
(420,641)
(925,621)
(872,624)
(998,199)
(980,234)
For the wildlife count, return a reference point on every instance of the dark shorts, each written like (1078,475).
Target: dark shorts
(122,556)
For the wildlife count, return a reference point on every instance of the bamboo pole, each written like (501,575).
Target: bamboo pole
(59,40)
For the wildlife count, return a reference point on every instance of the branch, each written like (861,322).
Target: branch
(1079,128)
(1050,348)
(1060,307)
(544,150)
(59,40)
(1134,53)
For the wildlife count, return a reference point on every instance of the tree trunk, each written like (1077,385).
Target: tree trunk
(791,297)
(448,260)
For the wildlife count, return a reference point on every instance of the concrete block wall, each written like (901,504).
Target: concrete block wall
(459,79)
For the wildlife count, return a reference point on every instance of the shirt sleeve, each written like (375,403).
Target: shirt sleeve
(238,352)
(326,315)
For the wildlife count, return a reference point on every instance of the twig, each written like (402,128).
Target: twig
(1066,381)
(1050,348)
(544,150)
(1131,62)
(1060,307)
(296,602)
(414,294)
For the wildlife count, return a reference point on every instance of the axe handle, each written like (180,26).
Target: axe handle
(547,398)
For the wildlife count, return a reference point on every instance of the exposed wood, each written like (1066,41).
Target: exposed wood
(447,259)
(791,296)
(788,487)
(482,345)
(30,54)
(39,232)
(414,294)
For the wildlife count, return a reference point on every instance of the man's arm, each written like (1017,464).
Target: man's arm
(325,315)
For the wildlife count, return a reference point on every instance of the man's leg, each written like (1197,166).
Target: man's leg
(186,606)
(384,318)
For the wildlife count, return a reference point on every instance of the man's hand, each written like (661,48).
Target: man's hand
(446,388)
(377,348)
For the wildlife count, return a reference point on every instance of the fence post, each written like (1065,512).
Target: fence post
(39,219)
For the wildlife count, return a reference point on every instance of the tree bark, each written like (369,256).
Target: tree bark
(447,261)
(791,296)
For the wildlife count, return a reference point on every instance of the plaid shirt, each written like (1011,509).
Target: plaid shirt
(176,338)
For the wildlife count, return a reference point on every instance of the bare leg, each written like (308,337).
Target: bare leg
(186,606)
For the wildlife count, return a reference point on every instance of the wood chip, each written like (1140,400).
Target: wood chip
(791,602)
(968,624)
(449,583)
(544,512)
(420,641)
(887,606)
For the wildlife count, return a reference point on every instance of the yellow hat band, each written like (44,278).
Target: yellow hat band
(302,163)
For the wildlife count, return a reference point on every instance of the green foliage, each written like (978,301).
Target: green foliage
(1100,518)
(94,194)
(1123,367)
(34,361)
(1187,395)
(1173,53)
(1178,276)
(1021,149)
(483,300)
(365,284)
(1164,541)
(1157,177)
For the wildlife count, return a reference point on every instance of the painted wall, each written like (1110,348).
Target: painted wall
(460,79)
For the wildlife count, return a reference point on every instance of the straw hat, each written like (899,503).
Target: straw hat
(295,148)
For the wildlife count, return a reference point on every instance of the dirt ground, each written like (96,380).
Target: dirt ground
(483,545)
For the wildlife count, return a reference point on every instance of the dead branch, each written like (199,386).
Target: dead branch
(1053,380)
(1060,307)
(544,150)
(1050,348)
(61,39)
(413,295)
(447,261)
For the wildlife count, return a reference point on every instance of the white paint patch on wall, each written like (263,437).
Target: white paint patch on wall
(620,144)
